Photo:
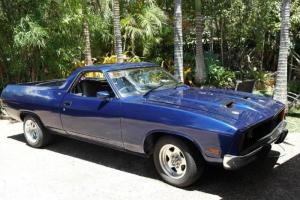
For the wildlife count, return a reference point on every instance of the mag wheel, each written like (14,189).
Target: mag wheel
(176,163)
(35,133)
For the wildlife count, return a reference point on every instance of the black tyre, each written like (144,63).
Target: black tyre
(35,133)
(264,152)
(176,163)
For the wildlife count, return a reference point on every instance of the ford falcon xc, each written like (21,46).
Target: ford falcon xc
(141,108)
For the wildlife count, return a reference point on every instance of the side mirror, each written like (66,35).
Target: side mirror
(103,95)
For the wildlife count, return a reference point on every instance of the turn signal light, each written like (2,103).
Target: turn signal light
(214,151)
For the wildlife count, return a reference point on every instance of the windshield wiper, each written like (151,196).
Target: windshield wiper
(152,89)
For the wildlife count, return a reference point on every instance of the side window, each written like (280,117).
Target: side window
(90,83)
(94,75)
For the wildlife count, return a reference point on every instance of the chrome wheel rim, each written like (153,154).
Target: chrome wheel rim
(32,131)
(172,161)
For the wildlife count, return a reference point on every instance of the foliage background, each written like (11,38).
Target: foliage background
(43,39)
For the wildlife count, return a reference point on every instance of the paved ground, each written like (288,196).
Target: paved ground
(73,170)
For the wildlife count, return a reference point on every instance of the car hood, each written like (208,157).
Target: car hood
(239,109)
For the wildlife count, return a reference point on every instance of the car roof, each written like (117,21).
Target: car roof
(119,66)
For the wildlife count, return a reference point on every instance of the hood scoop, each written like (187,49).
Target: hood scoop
(246,98)
(229,104)
(226,105)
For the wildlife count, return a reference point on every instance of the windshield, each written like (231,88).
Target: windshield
(139,81)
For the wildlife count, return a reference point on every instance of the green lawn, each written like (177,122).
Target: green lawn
(293,119)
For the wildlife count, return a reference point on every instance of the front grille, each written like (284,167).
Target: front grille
(257,132)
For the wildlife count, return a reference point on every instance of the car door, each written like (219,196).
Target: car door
(92,118)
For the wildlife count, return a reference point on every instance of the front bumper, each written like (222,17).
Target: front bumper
(277,135)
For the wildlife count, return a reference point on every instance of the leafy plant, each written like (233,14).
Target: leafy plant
(29,34)
(262,78)
(142,28)
(110,59)
(188,75)
(217,75)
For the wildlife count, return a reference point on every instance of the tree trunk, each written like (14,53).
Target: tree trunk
(30,61)
(86,33)
(200,65)
(280,92)
(117,31)
(222,41)
(87,45)
(178,41)
(290,69)
(211,36)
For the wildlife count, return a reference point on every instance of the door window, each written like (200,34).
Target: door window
(90,83)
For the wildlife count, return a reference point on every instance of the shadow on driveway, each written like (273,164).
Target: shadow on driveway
(259,180)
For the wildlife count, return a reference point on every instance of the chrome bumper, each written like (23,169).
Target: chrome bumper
(277,135)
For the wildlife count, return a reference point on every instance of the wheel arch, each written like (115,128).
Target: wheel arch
(23,114)
(152,137)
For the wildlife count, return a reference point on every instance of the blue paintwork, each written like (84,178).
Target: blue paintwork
(199,115)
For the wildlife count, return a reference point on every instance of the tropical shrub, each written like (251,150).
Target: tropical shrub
(220,77)
(262,78)
(128,57)
(217,75)
(188,75)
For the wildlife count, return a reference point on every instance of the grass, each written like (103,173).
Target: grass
(293,121)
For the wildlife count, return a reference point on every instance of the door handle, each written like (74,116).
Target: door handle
(67,103)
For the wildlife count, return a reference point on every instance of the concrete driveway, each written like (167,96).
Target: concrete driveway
(69,169)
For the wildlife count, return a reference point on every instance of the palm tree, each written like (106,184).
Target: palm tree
(142,27)
(117,31)
(86,33)
(200,66)
(178,41)
(87,42)
(280,92)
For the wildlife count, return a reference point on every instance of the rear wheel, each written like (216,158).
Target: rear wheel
(35,133)
(176,163)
